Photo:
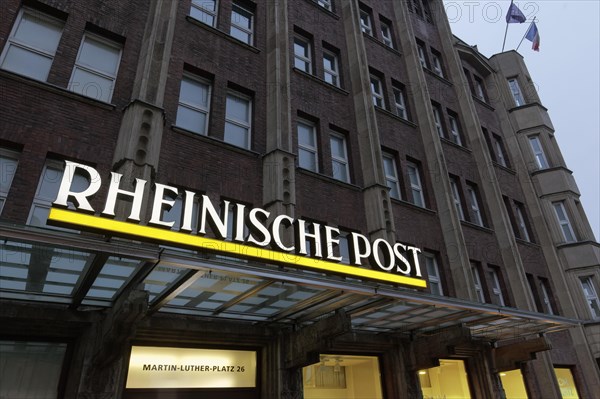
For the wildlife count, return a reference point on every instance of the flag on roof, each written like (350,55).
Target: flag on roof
(514,14)
(533,36)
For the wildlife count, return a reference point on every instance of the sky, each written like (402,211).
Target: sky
(566,71)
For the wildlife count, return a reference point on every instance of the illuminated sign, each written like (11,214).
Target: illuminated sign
(154,367)
(253,233)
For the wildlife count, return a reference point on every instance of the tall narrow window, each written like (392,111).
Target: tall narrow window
(307,146)
(454,129)
(521,221)
(497,288)
(591,296)
(400,102)
(563,221)
(302,54)
(391,175)
(365,22)
(421,54)
(433,274)
(436,60)
(546,296)
(479,88)
(516,91)
(456,197)
(477,282)
(416,187)
(538,152)
(96,68)
(47,191)
(498,148)
(194,105)
(8,167)
(377,92)
(237,120)
(242,24)
(326,4)
(204,11)
(339,158)
(331,69)
(32,44)
(386,34)
(475,211)
(437,120)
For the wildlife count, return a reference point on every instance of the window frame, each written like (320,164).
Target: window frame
(522,221)
(437,120)
(326,4)
(515,90)
(477,282)
(306,60)
(546,298)
(195,107)
(421,55)
(366,25)
(416,189)
(392,180)
(387,36)
(436,63)
(306,147)
(476,212)
(400,106)
(334,73)
(497,286)
(590,297)
(455,190)
(499,150)
(10,155)
(13,41)
(434,280)
(377,97)
(213,14)
(249,32)
(243,124)
(564,223)
(455,133)
(343,161)
(539,154)
(479,88)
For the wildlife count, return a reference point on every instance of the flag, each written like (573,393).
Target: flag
(533,36)
(514,14)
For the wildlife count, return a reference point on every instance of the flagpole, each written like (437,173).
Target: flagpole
(506,30)
(523,38)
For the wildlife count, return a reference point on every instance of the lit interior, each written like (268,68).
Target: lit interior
(448,380)
(514,385)
(566,383)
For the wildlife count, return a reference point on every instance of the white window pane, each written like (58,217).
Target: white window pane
(307,160)
(339,171)
(38,33)
(306,135)
(91,85)
(302,65)
(413,176)
(238,109)
(202,16)
(191,120)
(194,93)
(8,168)
(27,63)
(236,135)
(337,147)
(388,166)
(241,18)
(300,48)
(39,216)
(329,62)
(240,35)
(50,184)
(99,56)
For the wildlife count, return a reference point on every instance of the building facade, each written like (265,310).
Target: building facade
(287,199)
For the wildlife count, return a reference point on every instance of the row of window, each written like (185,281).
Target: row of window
(518,218)
(304,59)
(385,27)
(431,60)
(454,132)
(241,17)
(476,85)
(32,45)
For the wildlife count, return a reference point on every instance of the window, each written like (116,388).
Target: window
(194,105)
(96,68)
(538,152)
(365,22)
(456,197)
(331,69)
(477,282)
(476,216)
(391,175)
(204,11)
(436,60)
(399,102)
(496,288)
(421,54)
(454,129)
(416,7)
(242,24)
(326,4)
(8,167)
(307,146)
(377,92)
(47,191)
(237,120)
(479,88)
(302,54)
(546,296)
(564,222)
(32,44)
(591,296)
(437,120)
(521,221)
(416,188)
(516,91)
(339,158)
(386,34)
(498,149)
(433,274)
